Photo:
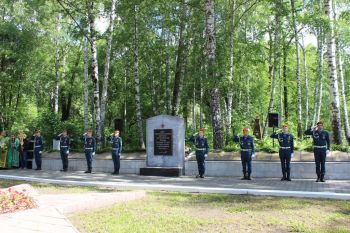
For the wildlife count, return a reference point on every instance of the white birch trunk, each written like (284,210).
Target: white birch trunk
(297,72)
(107,64)
(306,79)
(345,109)
(94,73)
(218,137)
(86,84)
(332,73)
(137,80)
(168,75)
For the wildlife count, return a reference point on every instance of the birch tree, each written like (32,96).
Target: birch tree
(112,15)
(86,84)
(137,79)
(181,60)
(94,70)
(297,71)
(218,136)
(332,73)
(306,80)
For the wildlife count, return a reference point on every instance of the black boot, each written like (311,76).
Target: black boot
(244,176)
(288,177)
(284,177)
(322,178)
(88,171)
(248,177)
(115,172)
(318,178)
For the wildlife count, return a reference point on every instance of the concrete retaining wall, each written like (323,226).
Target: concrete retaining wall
(261,169)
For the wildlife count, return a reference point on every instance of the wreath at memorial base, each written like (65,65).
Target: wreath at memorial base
(13,200)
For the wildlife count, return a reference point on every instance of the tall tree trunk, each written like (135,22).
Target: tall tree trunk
(342,83)
(218,136)
(319,77)
(168,75)
(57,66)
(107,65)
(203,71)
(306,79)
(86,84)
(194,118)
(57,81)
(67,98)
(333,79)
(285,86)
(94,71)
(345,110)
(180,61)
(231,76)
(297,72)
(281,93)
(273,64)
(137,79)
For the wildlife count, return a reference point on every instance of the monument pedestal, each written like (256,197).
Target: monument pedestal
(165,146)
(161,171)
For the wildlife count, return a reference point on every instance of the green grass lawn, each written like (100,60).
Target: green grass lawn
(178,212)
(46,188)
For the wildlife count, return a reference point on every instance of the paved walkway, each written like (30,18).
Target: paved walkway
(49,216)
(230,185)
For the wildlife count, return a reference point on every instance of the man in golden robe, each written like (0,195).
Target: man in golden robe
(4,144)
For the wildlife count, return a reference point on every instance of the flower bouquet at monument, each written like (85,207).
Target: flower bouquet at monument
(12,200)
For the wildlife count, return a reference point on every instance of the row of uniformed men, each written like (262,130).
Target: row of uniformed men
(321,145)
(89,148)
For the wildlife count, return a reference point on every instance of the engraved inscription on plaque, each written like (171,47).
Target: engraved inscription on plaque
(163,142)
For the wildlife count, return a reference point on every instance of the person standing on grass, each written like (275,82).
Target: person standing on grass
(202,150)
(117,144)
(286,151)
(90,148)
(246,144)
(321,145)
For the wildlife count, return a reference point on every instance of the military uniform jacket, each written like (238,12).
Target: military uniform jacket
(89,143)
(64,142)
(285,140)
(320,138)
(246,143)
(201,144)
(116,143)
(38,143)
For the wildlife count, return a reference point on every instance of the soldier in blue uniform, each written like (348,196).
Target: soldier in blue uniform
(90,148)
(64,148)
(117,144)
(246,144)
(202,149)
(38,148)
(321,144)
(286,151)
